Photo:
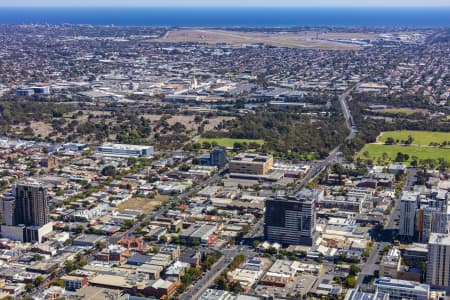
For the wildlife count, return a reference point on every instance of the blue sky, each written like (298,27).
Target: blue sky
(171,3)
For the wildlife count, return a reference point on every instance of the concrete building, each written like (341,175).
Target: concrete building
(290,220)
(27,234)
(343,203)
(438,267)
(8,204)
(408,206)
(73,283)
(124,150)
(397,169)
(390,264)
(29,91)
(13,232)
(247,274)
(280,273)
(415,253)
(74,146)
(402,289)
(113,253)
(254,164)
(203,233)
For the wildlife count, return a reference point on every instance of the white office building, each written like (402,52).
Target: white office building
(123,150)
(402,289)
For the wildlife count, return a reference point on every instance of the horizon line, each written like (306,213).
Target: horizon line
(225,6)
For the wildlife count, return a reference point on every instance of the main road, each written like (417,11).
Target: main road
(382,240)
(349,122)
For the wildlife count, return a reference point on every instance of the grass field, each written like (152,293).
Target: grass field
(402,111)
(421,138)
(376,150)
(419,147)
(229,142)
(144,204)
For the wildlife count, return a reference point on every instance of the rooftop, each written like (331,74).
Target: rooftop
(124,146)
(439,239)
(251,158)
(409,196)
(401,284)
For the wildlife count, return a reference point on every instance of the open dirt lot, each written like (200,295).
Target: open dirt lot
(307,39)
(39,129)
(144,204)
(188,121)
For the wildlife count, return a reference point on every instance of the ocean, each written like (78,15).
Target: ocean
(231,17)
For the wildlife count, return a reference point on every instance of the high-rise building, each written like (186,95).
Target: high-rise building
(290,220)
(432,215)
(438,266)
(31,207)
(8,210)
(433,220)
(408,206)
(439,199)
(218,157)
(26,215)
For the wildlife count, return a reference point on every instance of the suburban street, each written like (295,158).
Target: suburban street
(201,285)
(383,239)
